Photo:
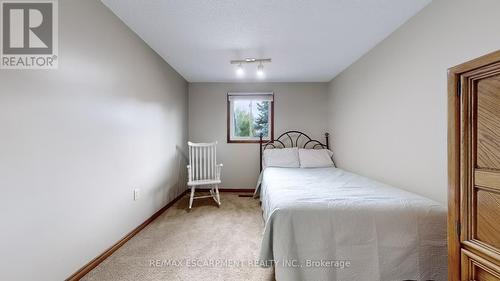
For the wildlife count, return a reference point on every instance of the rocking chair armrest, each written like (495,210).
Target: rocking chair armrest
(189,172)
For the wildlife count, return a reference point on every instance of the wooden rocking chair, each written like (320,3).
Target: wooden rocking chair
(204,170)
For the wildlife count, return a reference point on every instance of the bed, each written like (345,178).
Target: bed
(326,224)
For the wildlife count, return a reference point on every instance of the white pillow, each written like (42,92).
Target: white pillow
(315,158)
(281,157)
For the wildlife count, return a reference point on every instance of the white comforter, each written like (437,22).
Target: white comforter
(326,224)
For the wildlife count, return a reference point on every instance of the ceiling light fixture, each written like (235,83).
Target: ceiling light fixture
(240,71)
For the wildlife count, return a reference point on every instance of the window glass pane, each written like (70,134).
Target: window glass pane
(261,121)
(251,117)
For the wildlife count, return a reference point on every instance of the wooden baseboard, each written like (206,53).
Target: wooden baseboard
(237,190)
(95,262)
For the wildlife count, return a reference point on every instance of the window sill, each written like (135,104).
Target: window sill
(246,141)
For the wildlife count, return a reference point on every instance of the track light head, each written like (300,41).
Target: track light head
(260,70)
(240,72)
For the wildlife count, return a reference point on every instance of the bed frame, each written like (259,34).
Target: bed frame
(292,139)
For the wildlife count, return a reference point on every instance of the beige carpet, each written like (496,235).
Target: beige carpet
(207,243)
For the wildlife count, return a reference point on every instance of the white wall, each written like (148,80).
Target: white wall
(300,106)
(387,111)
(74,142)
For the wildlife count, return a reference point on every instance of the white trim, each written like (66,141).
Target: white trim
(250,93)
(264,96)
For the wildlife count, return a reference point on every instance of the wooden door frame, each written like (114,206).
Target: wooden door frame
(454,102)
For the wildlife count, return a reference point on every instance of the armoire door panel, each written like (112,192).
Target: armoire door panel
(488,123)
(483,275)
(487,214)
(474,268)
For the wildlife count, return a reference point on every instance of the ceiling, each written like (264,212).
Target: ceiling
(308,40)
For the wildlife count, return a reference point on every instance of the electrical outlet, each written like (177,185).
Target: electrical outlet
(137,192)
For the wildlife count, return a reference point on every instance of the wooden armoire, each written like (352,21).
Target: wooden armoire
(474,170)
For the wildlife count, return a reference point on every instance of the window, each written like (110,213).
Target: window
(249,115)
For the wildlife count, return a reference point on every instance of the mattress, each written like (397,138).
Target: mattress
(329,224)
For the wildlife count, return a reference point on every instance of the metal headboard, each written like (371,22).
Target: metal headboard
(292,139)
